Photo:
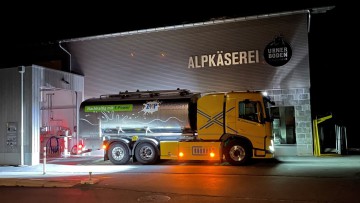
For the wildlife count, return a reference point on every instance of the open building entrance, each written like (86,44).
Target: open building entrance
(284,125)
(58,128)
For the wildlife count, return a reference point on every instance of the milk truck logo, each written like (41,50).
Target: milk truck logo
(278,52)
(150,107)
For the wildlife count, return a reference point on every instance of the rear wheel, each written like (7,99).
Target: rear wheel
(146,153)
(118,153)
(238,153)
(74,150)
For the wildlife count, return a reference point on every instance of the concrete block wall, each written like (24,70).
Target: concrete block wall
(300,99)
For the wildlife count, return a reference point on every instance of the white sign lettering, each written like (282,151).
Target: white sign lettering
(224,59)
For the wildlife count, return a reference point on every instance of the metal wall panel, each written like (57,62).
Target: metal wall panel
(49,79)
(159,58)
(9,112)
(33,116)
(29,114)
(35,79)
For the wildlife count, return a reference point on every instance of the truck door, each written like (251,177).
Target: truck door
(249,121)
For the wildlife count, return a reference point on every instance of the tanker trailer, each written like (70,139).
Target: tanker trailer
(136,115)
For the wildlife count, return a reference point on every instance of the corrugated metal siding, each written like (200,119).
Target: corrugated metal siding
(109,67)
(50,78)
(10,112)
(40,78)
(35,78)
(34,116)
(29,113)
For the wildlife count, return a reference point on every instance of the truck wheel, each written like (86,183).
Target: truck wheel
(237,153)
(146,153)
(118,153)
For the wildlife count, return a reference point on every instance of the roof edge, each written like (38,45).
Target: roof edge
(205,23)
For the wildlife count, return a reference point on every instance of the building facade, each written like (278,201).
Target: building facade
(266,53)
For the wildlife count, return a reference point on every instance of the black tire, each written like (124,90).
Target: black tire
(73,150)
(238,153)
(118,153)
(146,153)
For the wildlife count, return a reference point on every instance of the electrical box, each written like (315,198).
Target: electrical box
(12,137)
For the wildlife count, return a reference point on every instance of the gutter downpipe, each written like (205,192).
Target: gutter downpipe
(309,21)
(22,71)
(68,54)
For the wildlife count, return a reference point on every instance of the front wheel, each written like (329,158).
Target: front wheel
(118,153)
(146,153)
(238,153)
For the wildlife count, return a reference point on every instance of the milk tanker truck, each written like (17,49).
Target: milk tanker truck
(148,126)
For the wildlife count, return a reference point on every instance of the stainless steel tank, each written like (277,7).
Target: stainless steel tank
(156,116)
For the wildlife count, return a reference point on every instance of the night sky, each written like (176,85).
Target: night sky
(31,37)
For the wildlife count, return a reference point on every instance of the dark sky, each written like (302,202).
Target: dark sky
(31,36)
(63,21)
(27,34)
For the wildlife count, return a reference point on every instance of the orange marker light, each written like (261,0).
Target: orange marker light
(212,154)
(104,146)
(181,154)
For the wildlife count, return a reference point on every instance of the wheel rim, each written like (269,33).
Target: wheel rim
(146,153)
(118,153)
(237,153)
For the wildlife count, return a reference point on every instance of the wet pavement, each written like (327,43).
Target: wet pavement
(72,171)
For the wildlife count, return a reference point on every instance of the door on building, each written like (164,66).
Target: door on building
(284,124)
(58,121)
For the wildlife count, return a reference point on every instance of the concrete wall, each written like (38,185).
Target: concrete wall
(300,99)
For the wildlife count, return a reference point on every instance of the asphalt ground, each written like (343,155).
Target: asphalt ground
(74,170)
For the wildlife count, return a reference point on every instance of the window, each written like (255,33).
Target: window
(248,110)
